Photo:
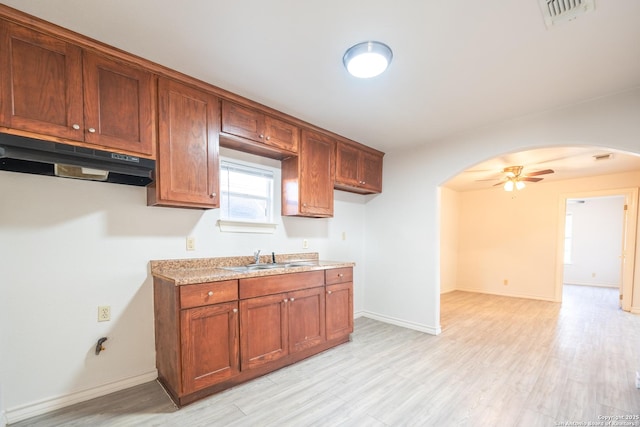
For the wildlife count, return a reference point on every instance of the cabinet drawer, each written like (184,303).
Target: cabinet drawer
(338,275)
(269,285)
(208,293)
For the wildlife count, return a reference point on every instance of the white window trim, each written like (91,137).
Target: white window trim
(235,226)
(228,226)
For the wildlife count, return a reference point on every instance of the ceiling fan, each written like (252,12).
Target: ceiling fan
(515,179)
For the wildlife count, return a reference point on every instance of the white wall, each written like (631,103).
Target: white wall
(67,246)
(449,239)
(403,271)
(596,242)
(514,236)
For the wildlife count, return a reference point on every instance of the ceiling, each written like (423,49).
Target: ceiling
(566,162)
(457,65)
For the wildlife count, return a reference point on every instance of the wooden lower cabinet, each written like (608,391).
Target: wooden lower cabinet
(339,310)
(209,338)
(212,336)
(274,326)
(306,316)
(339,302)
(263,326)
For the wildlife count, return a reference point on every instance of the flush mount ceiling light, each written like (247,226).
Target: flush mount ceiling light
(367,59)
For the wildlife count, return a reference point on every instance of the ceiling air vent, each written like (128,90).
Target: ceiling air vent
(599,157)
(558,11)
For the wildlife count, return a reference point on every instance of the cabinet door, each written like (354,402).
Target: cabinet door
(187,167)
(119,105)
(263,330)
(371,172)
(307,179)
(209,338)
(347,165)
(242,121)
(41,84)
(281,134)
(306,319)
(316,174)
(339,310)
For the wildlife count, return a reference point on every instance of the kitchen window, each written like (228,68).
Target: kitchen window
(246,203)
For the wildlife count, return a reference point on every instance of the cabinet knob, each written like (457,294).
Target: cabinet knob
(235,310)
(285,300)
(210,293)
(268,138)
(261,136)
(304,205)
(76,126)
(340,275)
(213,195)
(363,183)
(291,299)
(92,130)
(329,292)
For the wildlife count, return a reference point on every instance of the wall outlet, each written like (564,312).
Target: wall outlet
(191,243)
(305,244)
(344,235)
(104,313)
(506,282)
(637,379)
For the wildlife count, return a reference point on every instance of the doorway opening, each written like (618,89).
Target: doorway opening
(596,241)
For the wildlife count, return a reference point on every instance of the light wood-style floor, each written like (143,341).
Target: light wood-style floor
(499,362)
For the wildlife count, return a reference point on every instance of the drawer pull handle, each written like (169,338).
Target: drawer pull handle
(210,293)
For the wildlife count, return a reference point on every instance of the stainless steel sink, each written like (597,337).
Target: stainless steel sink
(268,266)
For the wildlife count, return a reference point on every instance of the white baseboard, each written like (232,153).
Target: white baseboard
(47,405)
(358,314)
(403,323)
(506,294)
(598,285)
(635,310)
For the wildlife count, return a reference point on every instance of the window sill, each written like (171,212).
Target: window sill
(227,226)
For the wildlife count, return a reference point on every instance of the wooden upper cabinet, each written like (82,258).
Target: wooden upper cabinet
(119,105)
(358,169)
(187,167)
(250,130)
(307,179)
(41,78)
(53,89)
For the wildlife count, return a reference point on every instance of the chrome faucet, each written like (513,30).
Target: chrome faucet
(256,257)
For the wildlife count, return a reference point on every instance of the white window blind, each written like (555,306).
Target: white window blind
(247,193)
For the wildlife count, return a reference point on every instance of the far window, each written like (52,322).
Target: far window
(247,193)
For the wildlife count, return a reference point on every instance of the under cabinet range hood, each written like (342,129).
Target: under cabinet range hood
(18,154)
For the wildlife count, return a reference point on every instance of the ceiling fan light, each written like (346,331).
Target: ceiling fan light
(519,185)
(508,186)
(367,59)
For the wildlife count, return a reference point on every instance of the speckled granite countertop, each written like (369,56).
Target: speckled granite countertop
(201,270)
